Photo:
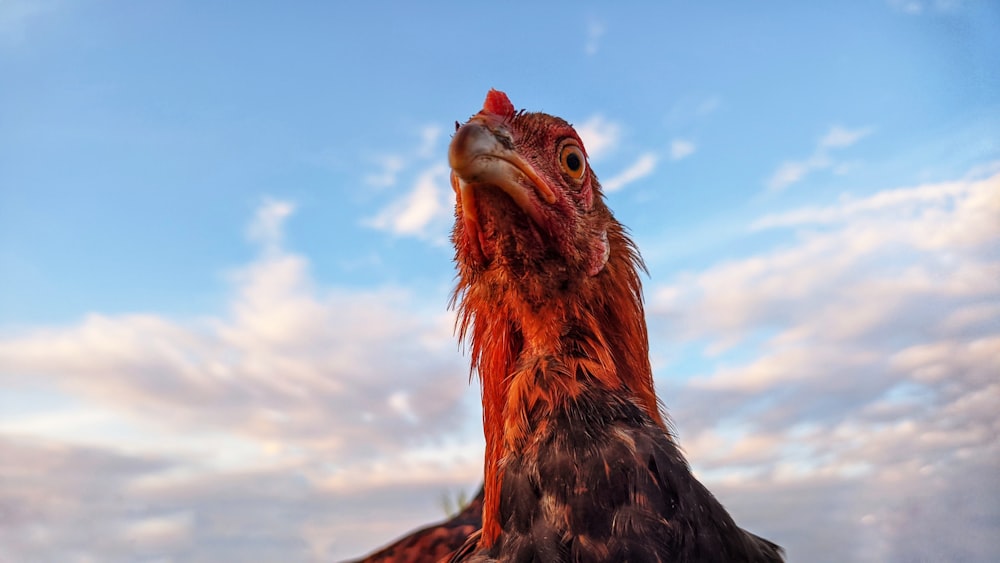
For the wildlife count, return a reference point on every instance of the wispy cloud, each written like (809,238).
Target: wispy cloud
(681,149)
(423,212)
(424,209)
(691,109)
(600,135)
(708,106)
(912,7)
(389,168)
(267,227)
(794,171)
(429,136)
(902,199)
(318,404)
(918,7)
(869,387)
(839,137)
(16,16)
(855,356)
(595,31)
(287,359)
(642,167)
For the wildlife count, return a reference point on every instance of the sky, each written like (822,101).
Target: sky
(225,268)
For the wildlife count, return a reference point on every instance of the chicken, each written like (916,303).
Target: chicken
(579,464)
(433,543)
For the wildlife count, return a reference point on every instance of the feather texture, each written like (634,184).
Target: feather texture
(433,543)
(580,464)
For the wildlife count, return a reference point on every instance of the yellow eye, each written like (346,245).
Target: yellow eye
(573,163)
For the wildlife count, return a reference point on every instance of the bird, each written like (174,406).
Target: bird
(435,542)
(580,464)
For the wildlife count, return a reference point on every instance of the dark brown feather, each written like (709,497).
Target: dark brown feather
(433,543)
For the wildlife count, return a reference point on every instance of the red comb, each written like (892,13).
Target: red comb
(498,103)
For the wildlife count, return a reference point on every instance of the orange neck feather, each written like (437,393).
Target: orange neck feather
(600,330)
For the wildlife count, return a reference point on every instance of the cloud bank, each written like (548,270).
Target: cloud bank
(292,402)
(836,390)
(858,358)
(794,171)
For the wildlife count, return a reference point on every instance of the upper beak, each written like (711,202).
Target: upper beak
(481,152)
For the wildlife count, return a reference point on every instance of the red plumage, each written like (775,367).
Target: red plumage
(433,543)
(579,463)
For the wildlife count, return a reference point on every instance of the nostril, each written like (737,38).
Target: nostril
(504,139)
(474,140)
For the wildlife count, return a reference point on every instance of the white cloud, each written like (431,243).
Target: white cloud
(161,532)
(979,200)
(913,229)
(681,149)
(595,31)
(70,503)
(423,212)
(389,168)
(690,109)
(429,136)
(314,406)
(600,136)
(286,363)
(912,7)
(918,7)
(859,357)
(794,171)
(16,16)
(267,227)
(838,137)
(708,106)
(642,167)
(847,407)
(787,174)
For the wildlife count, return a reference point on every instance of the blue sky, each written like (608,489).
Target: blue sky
(225,266)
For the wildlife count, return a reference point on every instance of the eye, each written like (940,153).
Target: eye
(573,163)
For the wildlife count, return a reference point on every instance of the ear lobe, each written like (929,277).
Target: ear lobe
(600,253)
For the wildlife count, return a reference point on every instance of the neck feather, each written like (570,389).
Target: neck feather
(594,336)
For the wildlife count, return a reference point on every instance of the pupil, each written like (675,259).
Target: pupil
(573,162)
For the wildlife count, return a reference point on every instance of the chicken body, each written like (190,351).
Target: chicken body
(579,463)
(433,543)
